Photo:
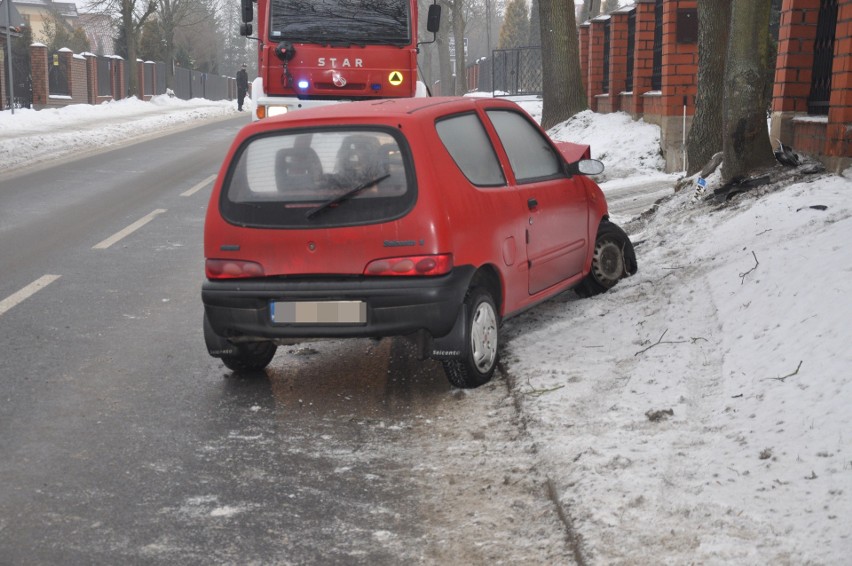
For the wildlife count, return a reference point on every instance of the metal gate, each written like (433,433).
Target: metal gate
(22,74)
(516,71)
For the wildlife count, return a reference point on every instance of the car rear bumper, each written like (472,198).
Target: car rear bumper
(241,309)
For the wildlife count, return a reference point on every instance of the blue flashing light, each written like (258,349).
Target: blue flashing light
(302,84)
(376,86)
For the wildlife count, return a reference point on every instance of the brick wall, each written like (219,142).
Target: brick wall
(838,144)
(643,56)
(585,28)
(38,66)
(83,78)
(594,79)
(79,81)
(618,58)
(826,137)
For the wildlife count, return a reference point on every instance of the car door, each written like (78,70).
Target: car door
(556,206)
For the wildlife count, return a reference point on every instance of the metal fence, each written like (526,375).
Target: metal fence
(195,84)
(22,74)
(516,71)
(104,70)
(820,95)
(57,76)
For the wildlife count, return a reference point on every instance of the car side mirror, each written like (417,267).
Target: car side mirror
(585,167)
(433,19)
(247,10)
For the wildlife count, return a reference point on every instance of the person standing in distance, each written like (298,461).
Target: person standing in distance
(242,86)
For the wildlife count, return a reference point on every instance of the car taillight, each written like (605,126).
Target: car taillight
(232,269)
(414,265)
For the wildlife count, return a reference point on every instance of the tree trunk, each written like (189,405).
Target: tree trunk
(560,63)
(746,143)
(535,25)
(444,66)
(705,135)
(130,37)
(458,34)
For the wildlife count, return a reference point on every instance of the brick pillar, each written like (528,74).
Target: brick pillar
(643,55)
(140,78)
(793,68)
(679,80)
(91,77)
(618,56)
(585,27)
(151,68)
(117,70)
(66,59)
(596,61)
(838,143)
(38,66)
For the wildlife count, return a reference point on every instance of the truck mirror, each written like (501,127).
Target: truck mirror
(433,19)
(246,30)
(248,10)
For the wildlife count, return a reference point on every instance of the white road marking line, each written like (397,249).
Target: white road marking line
(27,292)
(198,187)
(127,231)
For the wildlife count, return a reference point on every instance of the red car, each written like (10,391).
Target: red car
(431,218)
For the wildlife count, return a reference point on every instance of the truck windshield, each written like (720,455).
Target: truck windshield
(336,22)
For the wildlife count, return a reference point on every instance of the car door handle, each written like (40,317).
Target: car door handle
(532,204)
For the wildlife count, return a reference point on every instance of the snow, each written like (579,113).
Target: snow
(699,412)
(28,137)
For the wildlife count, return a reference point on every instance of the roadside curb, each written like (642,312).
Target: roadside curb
(573,538)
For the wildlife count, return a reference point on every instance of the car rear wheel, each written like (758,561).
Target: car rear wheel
(250,356)
(481,340)
(613,259)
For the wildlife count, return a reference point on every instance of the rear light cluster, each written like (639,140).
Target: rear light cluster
(232,269)
(416,265)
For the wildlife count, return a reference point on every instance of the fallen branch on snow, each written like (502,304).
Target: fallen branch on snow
(660,341)
(743,275)
(781,379)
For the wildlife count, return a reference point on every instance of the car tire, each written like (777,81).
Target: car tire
(481,342)
(250,356)
(613,259)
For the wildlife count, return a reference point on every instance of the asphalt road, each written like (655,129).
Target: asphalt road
(122,441)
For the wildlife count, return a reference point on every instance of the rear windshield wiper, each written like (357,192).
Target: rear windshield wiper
(342,197)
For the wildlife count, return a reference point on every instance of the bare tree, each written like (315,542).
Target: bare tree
(535,25)
(172,15)
(132,15)
(746,143)
(590,9)
(458,24)
(705,135)
(58,33)
(560,63)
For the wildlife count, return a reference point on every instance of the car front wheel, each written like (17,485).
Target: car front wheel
(481,340)
(613,259)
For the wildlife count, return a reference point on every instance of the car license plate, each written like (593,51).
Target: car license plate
(319,312)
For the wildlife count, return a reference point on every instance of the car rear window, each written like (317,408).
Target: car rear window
(319,178)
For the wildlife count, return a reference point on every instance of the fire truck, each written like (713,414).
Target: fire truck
(316,52)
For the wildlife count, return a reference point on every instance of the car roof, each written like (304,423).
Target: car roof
(381,111)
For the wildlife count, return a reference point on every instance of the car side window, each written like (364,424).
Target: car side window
(532,158)
(465,138)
